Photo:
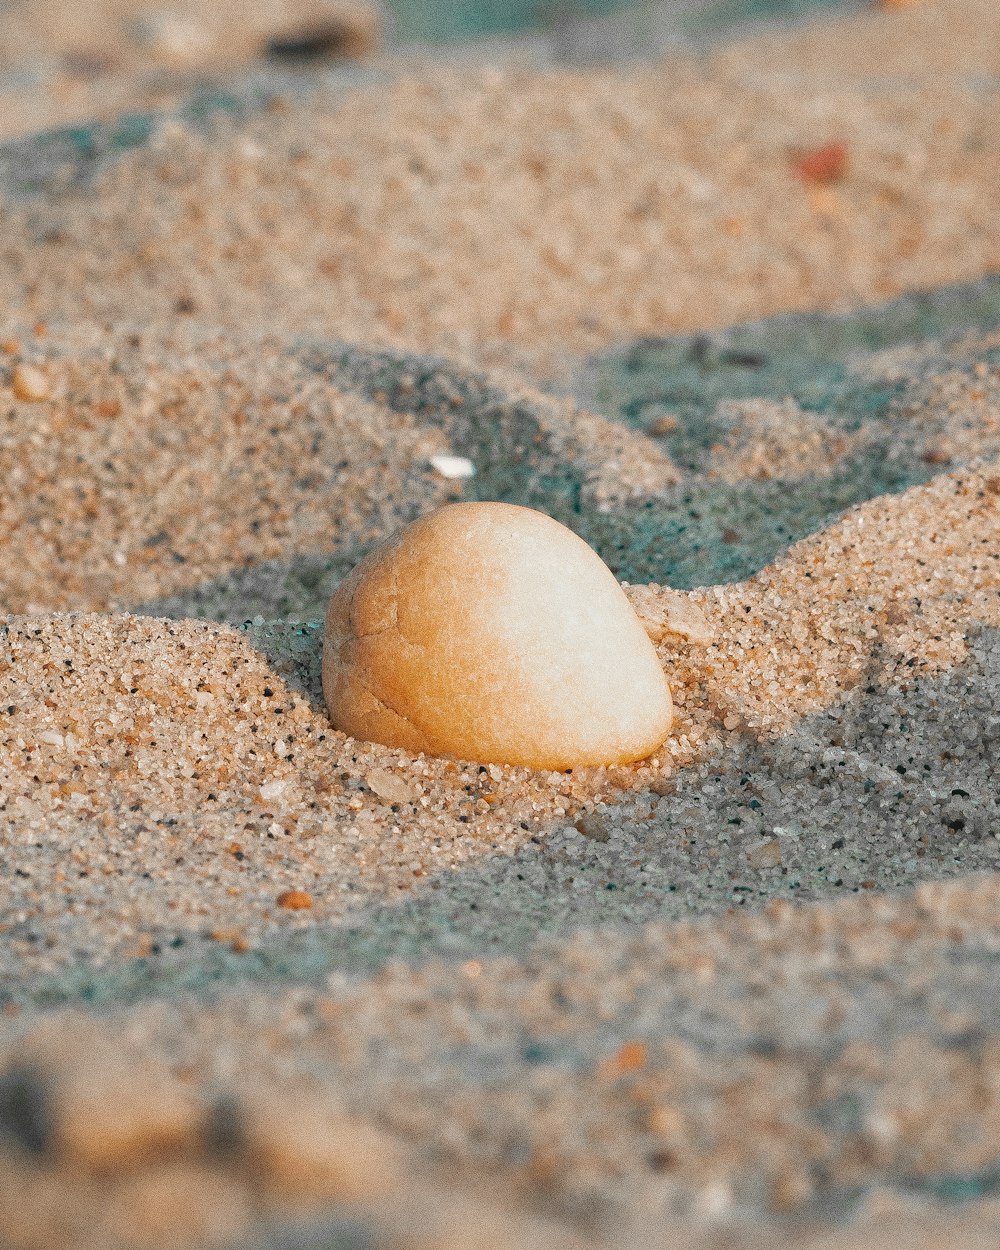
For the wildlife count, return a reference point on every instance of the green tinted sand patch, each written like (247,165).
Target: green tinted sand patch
(229,478)
(720,15)
(863,386)
(858,413)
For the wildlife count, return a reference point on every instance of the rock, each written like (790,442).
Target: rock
(304,1149)
(666,423)
(824,164)
(30,384)
(91,1102)
(594,826)
(295,900)
(177,1203)
(664,612)
(492,633)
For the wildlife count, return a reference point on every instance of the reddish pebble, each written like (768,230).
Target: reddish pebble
(630,1057)
(822,165)
(295,900)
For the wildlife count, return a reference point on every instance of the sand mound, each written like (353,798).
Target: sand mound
(813,1062)
(157,464)
(199,745)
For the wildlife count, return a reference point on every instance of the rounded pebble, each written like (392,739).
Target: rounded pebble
(295,900)
(490,632)
(30,384)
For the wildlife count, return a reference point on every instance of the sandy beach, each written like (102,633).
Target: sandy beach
(732,314)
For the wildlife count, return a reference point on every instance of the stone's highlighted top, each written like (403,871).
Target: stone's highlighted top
(492,633)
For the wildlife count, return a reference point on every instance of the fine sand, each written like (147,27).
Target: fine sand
(265,986)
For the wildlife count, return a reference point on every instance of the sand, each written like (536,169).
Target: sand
(519,217)
(266,986)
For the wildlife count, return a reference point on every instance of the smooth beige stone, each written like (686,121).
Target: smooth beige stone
(492,633)
(30,384)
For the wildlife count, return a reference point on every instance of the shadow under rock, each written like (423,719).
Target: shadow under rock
(525,447)
(887,788)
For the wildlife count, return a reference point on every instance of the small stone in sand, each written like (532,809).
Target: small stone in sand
(389,786)
(663,425)
(295,900)
(765,854)
(491,632)
(30,384)
(823,165)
